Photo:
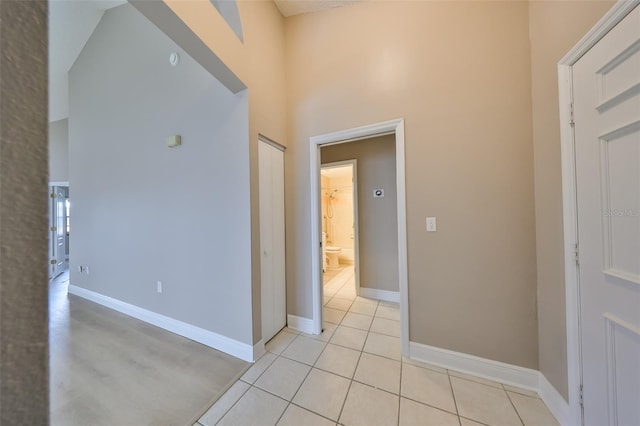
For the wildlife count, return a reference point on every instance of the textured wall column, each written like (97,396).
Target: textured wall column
(24,372)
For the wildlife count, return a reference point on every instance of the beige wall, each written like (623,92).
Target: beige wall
(555,27)
(24,361)
(377,217)
(263,28)
(459,73)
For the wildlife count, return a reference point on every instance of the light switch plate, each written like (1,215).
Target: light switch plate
(431,224)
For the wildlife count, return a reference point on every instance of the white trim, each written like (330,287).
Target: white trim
(222,343)
(570,224)
(388,127)
(501,372)
(59,183)
(305,325)
(386,295)
(554,401)
(258,350)
(570,218)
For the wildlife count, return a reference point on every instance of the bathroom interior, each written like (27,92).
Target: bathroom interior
(338,220)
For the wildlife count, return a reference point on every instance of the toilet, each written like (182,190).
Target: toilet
(330,254)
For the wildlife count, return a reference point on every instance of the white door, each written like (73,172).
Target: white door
(271,170)
(607,146)
(58,234)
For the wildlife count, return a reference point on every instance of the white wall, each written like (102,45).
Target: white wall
(59,151)
(143,212)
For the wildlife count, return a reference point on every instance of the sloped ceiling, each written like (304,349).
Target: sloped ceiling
(297,7)
(71,23)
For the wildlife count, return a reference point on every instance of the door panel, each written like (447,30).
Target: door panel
(272,273)
(607,146)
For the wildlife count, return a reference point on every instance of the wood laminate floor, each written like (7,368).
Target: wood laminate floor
(110,369)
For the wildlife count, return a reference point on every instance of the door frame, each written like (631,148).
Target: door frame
(395,127)
(569,203)
(354,194)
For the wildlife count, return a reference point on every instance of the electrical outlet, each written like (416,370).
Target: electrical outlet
(431,224)
(159,286)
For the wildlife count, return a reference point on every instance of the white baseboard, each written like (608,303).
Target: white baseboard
(493,370)
(222,343)
(374,293)
(554,401)
(302,324)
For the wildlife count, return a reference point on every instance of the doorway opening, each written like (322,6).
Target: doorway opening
(370,132)
(59,215)
(339,201)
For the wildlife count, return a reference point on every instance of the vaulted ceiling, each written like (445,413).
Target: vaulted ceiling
(71,23)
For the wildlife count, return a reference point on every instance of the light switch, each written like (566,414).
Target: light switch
(431,224)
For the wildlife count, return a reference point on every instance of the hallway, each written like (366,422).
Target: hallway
(354,374)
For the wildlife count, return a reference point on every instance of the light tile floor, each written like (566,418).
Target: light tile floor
(354,374)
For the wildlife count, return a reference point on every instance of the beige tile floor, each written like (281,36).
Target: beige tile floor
(354,374)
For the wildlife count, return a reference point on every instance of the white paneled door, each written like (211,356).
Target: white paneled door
(606,83)
(273,290)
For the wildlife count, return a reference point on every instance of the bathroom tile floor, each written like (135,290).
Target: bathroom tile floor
(354,374)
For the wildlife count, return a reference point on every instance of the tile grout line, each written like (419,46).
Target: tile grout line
(455,401)
(232,405)
(512,404)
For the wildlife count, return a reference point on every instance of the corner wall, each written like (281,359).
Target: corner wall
(24,360)
(144,212)
(555,27)
(459,74)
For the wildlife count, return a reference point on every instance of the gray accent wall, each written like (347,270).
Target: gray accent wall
(59,151)
(377,217)
(143,212)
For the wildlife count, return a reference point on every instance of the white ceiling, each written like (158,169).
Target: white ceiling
(296,7)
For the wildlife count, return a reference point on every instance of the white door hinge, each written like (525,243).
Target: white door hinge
(571,116)
(577,253)
(581,396)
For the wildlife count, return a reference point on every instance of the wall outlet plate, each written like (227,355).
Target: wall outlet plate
(431,224)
